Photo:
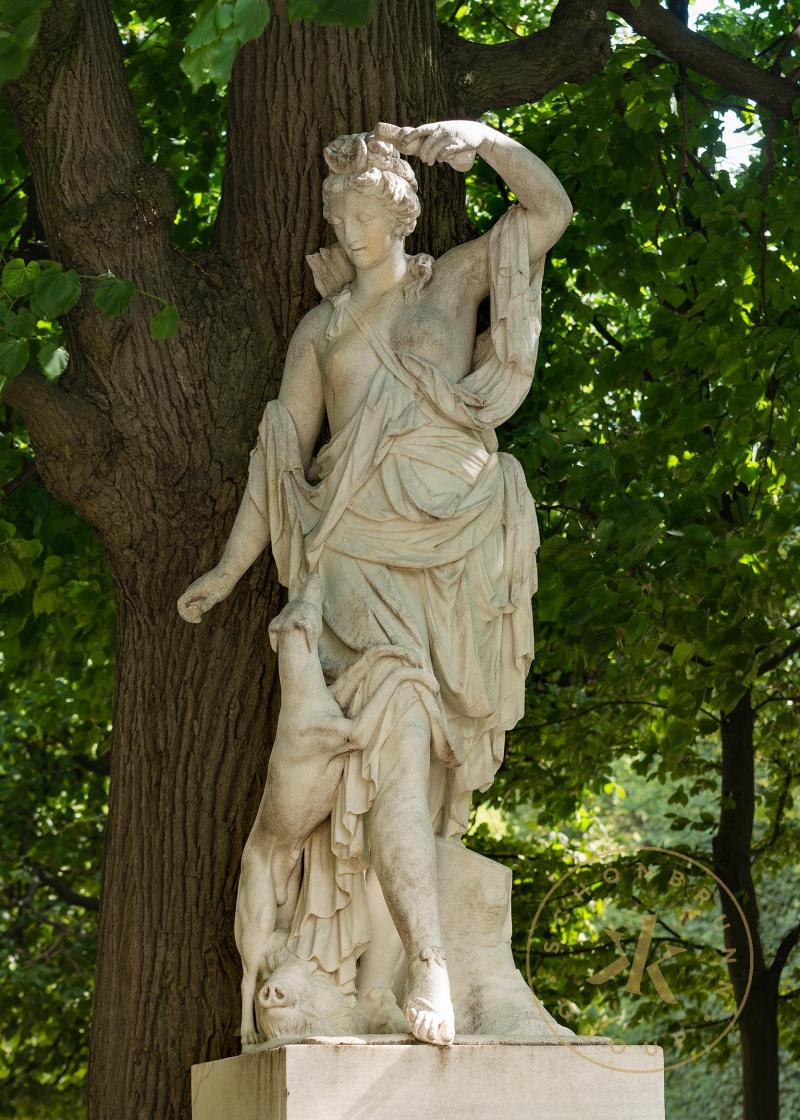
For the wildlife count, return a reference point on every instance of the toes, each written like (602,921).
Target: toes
(427,1026)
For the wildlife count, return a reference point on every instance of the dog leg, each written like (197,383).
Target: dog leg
(256,916)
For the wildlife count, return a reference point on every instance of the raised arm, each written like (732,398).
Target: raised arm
(540,193)
(302,395)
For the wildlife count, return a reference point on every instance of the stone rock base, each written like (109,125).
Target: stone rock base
(386,1077)
(490,997)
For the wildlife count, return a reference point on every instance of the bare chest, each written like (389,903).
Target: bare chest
(442,335)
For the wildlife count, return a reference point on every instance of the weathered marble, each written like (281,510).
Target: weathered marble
(387,1078)
(407,545)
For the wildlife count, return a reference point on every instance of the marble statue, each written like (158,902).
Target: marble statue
(407,545)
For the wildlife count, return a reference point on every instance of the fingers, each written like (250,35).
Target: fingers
(406,140)
(385,131)
(433,143)
(189,610)
(192,607)
(399,135)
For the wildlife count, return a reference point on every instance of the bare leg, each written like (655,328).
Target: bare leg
(404,858)
(376,968)
(378,1007)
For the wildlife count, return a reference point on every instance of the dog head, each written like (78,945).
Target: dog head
(303,613)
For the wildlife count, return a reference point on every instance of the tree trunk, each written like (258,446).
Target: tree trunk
(194,706)
(758,1023)
(191,736)
(758,1029)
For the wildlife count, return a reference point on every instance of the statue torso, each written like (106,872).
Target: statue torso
(435,326)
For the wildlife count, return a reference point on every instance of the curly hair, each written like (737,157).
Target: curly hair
(372,167)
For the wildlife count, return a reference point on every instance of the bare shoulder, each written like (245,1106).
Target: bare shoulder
(310,331)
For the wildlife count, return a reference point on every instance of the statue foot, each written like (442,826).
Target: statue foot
(428,1008)
(379,1013)
(250,1038)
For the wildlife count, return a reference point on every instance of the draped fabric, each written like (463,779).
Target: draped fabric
(424,537)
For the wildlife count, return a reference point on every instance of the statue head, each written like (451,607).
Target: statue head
(369,197)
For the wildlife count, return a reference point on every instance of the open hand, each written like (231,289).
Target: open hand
(204,594)
(453,142)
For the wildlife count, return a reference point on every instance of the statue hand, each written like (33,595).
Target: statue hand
(453,142)
(205,593)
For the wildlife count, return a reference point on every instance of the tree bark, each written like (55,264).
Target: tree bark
(758,1023)
(149,441)
(575,46)
(192,727)
(194,707)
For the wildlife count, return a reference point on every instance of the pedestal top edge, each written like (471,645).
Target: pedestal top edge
(471,1040)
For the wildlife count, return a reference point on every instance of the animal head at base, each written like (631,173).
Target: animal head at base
(297,1001)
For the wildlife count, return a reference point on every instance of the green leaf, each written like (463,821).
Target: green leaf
(17,43)
(57,291)
(223,16)
(19,277)
(165,323)
(53,360)
(213,62)
(12,578)
(250,18)
(205,30)
(13,356)
(114,295)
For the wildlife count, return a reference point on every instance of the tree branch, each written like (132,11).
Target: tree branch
(777,822)
(782,953)
(667,32)
(784,655)
(28,473)
(103,204)
(576,45)
(63,890)
(71,438)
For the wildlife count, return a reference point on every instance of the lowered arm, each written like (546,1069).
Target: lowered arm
(302,395)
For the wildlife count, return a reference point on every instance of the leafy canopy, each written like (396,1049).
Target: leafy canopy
(660,441)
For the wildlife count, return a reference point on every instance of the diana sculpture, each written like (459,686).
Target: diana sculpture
(408,550)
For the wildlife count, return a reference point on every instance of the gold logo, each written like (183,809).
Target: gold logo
(643,947)
(639,960)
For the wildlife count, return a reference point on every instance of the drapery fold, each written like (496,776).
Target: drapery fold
(424,537)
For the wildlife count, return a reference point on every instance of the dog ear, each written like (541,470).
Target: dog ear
(273,635)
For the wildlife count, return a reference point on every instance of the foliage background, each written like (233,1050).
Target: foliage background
(661,443)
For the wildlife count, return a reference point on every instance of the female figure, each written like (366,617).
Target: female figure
(422,535)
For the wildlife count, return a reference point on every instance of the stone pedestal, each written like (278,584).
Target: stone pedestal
(383,1077)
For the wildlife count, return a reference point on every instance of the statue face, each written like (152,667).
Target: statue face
(364,228)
